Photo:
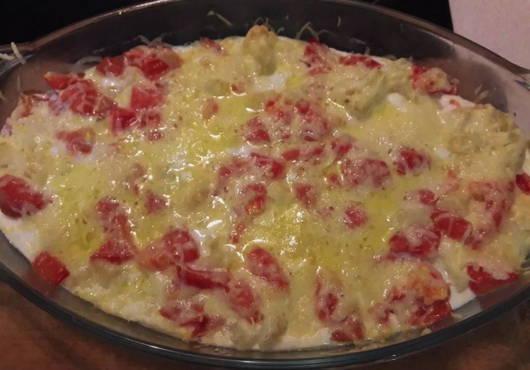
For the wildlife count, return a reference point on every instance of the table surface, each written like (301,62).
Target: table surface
(32,339)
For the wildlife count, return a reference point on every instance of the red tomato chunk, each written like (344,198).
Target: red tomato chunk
(204,279)
(523,182)
(78,142)
(50,268)
(306,194)
(80,95)
(122,119)
(255,197)
(115,251)
(145,97)
(119,246)
(455,227)
(154,62)
(244,302)
(192,315)
(416,241)
(112,66)
(424,196)
(176,247)
(367,171)
(263,264)
(315,57)
(154,203)
(355,216)
(481,281)
(18,198)
(411,161)
(353,60)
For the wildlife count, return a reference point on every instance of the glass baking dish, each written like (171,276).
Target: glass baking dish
(345,25)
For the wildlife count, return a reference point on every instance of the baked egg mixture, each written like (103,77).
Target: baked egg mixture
(264,192)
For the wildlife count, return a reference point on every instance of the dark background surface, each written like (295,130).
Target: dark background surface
(26,20)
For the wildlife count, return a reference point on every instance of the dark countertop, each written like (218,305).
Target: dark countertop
(31,339)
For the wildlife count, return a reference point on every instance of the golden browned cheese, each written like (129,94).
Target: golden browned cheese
(209,101)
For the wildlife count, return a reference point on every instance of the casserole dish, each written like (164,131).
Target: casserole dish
(59,52)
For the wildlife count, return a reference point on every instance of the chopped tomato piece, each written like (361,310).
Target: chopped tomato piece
(368,171)
(355,216)
(235,168)
(353,60)
(176,247)
(350,329)
(255,196)
(211,44)
(182,312)
(135,178)
(237,88)
(122,119)
(150,118)
(432,81)
(455,227)
(327,295)
(154,203)
(314,126)
(497,198)
(264,167)
(428,314)
(181,242)
(58,81)
(154,62)
(237,233)
(424,196)
(263,264)
(115,251)
(481,281)
(411,161)
(417,241)
(312,152)
(278,117)
(114,220)
(78,142)
(18,198)
(210,108)
(273,169)
(333,180)
(523,182)
(153,67)
(305,193)
(145,97)
(155,135)
(256,132)
(192,315)
(111,66)
(345,326)
(206,324)
(243,301)
(204,279)
(50,268)
(315,54)
(119,246)
(82,97)
(342,145)
(291,154)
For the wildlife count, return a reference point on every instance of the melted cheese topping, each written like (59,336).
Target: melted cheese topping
(208,104)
